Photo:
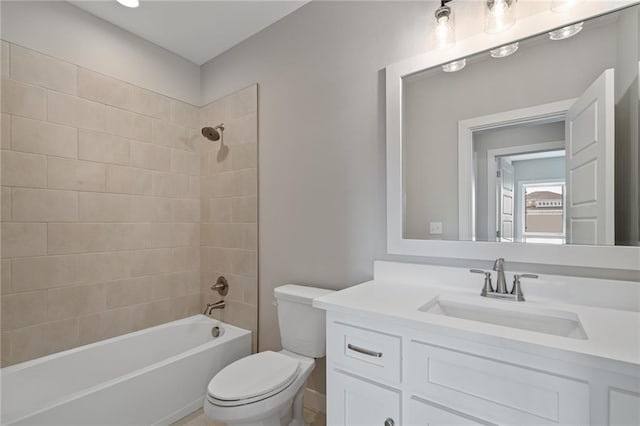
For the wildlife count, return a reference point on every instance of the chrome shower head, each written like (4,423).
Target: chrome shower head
(213,133)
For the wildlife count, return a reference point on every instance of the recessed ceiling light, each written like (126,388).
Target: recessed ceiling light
(454,66)
(129,3)
(504,51)
(566,32)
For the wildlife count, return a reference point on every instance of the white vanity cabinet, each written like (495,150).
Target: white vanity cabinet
(379,373)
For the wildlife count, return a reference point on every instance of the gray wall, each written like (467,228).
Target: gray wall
(502,138)
(322,142)
(434,103)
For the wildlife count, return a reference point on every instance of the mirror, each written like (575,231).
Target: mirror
(540,146)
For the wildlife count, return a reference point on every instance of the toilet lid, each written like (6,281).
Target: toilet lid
(253,376)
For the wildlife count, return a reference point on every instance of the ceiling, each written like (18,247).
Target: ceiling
(195,30)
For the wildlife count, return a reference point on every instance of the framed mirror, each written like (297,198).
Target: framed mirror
(529,150)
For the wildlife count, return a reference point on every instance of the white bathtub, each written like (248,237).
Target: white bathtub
(151,377)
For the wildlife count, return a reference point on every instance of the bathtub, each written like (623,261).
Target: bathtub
(150,377)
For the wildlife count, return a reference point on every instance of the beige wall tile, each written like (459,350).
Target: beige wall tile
(102,267)
(102,147)
(65,238)
(217,259)
(44,205)
(100,207)
(170,135)
(176,234)
(243,102)
(43,339)
(226,184)
(242,130)
(244,156)
(220,210)
(129,180)
(129,292)
(153,313)
(244,263)
(149,103)
(5,61)
(24,239)
(150,156)
(20,169)
(185,162)
(23,309)
(70,302)
(5,276)
(76,174)
(75,112)
(147,262)
(104,325)
(6,349)
(186,306)
(186,211)
(127,124)
(42,70)
(245,209)
(185,258)
(194,187)
(32,273)
(101,88)
(5,123)
(23,99)
(7,203)
(248,182)
(168,185)
(185,115)
(41,137)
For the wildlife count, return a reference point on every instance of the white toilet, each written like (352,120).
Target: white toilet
(266,389)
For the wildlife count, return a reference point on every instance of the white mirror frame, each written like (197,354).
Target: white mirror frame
(611,257)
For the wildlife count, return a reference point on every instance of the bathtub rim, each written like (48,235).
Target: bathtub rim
(238,333)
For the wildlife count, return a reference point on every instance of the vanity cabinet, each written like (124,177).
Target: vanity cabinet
(383,374)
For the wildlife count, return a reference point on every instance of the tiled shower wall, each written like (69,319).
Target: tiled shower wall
(229,209)
(100,207)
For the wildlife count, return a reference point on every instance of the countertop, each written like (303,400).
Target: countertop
(611,334)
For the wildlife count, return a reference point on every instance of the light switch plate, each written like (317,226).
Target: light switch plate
(435,228)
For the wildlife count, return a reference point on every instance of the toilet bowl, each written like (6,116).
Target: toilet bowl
(267,388)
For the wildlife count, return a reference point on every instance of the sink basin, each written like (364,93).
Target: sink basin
(548,321)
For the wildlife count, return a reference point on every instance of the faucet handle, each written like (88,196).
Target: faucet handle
(517,289)
(487,288)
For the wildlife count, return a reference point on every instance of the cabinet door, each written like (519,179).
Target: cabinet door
(355,402)
(423,413)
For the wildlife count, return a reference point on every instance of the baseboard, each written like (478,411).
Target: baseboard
(315,400)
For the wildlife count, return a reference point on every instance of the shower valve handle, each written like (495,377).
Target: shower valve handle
(221,286)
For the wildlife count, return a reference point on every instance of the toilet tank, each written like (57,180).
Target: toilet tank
(302,327)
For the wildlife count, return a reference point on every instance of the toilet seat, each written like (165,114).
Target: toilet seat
(252,379)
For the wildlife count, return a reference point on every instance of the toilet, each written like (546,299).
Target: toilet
(266,388)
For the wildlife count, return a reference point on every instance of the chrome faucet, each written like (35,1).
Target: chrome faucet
(501,282)
(501,286)
(211,306)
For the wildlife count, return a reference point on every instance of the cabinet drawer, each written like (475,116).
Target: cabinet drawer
(512,394)
(422,412)
(367,352)
(355,402)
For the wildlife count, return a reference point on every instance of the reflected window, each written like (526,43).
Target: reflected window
(544,212)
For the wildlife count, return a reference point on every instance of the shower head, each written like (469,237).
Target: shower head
(213,133)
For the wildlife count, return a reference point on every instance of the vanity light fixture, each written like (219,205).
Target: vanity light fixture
(129,3)
(500,15)
(444,32)
(454,66)
(504,51)
(566,32)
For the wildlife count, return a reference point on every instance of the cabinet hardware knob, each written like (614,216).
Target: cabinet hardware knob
(389,422)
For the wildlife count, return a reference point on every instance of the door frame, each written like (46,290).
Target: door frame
(492,154)
(554,111)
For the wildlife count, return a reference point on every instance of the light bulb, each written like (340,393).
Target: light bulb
(504,51)
(454,66)
(566,32)
(444,32)
(500,15)
(129,3)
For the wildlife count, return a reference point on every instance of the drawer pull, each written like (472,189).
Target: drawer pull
(389,422)
(364,351)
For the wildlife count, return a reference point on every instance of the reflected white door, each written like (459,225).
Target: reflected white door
(505,200)
(589,132)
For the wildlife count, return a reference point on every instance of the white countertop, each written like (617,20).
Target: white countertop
(611,334)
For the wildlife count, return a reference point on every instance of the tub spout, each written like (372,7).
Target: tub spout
(211,306)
